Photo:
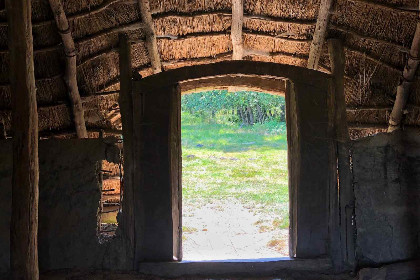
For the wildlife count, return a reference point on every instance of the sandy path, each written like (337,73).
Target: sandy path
(228,230)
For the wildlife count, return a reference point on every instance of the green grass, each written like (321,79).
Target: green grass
(221,161)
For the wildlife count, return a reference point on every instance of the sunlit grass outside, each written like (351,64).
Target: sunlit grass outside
(223,161)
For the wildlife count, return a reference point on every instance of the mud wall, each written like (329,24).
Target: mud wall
(68,204)
(386,170)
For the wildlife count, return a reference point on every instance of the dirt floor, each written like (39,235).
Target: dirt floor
(230,230)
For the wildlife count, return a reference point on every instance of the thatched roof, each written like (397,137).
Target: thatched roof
(376,34)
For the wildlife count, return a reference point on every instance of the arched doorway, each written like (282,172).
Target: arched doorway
(157,153)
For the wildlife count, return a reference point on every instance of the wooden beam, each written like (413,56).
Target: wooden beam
(261,84)
(25,192)
(70,76)
(343,225)
(319,34)
(151,41)
(126,108)
(406,82)
(236,29)
(338,62)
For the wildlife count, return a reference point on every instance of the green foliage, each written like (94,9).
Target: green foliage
(244,107)
(231,138)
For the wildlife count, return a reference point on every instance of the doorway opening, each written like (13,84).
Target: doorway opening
(234,176)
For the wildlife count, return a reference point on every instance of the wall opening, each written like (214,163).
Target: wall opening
(310,144)
(234,175)
(110,204)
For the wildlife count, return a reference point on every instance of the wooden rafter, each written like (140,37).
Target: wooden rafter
(406,82)
(151,41)
(236,29)
(70,76)
(319,34)
(25,192)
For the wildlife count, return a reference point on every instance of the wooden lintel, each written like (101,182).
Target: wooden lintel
(267,85)
(319,34)
(70,76)
(151,41)
(25,192)
(236,29)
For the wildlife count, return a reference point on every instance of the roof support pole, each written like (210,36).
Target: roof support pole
(341,224)
(151,41)
(25,192)
(407,79)
(236,29)
(126,108)
(319,34)
(70,76)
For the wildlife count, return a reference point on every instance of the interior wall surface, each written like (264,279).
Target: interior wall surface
(68,203)
(386,170)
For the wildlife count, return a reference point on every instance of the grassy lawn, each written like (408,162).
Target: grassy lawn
(249,164)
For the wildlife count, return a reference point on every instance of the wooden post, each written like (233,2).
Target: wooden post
(126,109)
(24,220)
(176,171)
(293,163)
(334,209)
(158,181)
(308,170)
(236,30)
(345,194)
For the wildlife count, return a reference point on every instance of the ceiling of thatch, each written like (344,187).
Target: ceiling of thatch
(376,34)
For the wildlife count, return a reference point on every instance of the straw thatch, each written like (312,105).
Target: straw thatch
(183,25)
(186,6)
(376,35)
(194,47)
(276,45)
(292,9)
(377,21)
(281,29)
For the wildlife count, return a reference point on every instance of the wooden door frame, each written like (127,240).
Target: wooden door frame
(296,77)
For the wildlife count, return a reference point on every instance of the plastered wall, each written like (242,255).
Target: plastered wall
(68,204)
(386,170)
